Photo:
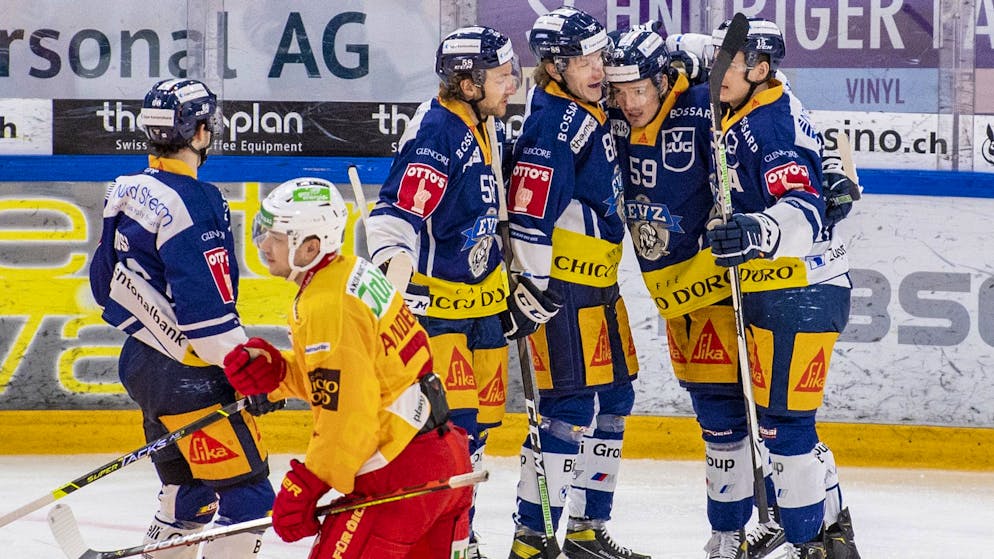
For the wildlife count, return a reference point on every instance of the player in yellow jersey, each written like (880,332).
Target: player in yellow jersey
(363,362)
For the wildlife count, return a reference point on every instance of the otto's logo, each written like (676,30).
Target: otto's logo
(530,186)
(421,189)
(325,386)
(787,177)
(217,261)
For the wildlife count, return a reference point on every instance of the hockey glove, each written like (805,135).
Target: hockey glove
(293,511)
(840,192)
(744,237)
(260,404)
(528,307)
(255,367)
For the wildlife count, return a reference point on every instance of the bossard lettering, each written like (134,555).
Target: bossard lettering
(562,135)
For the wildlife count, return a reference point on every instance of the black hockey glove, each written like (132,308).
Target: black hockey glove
(259,404)
(744,237)
(840,192)
(528,307)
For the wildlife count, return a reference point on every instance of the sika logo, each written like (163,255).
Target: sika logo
(205,449)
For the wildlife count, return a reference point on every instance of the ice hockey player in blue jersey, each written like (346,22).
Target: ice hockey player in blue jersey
(663,129)
(565,208)
(777,192)
(165,274)
(436,217)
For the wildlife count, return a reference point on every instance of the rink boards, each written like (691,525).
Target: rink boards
(647,437)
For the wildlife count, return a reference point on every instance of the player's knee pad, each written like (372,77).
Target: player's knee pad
(788,435)
(729,471)
(596,477)
(560,445)
(616,400)
(800,488)
(721,416)
(729,483)
(192,503)
(183,510)
(245,501)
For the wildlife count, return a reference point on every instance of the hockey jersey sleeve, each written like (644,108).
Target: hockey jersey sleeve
(540,188)
(792,179)
(414,187)
(202,274)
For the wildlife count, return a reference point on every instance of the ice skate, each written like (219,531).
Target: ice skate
(727,545)
(588,539)
(811,550)
(766,538)
(529,544)
(839,538)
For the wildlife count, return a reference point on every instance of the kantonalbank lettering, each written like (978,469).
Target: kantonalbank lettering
(583,267)
(427,173)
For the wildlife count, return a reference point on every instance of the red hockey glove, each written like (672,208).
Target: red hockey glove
(255,367)
(293,510)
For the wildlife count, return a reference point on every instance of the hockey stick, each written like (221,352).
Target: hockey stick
(528,381)
(399,270)
(65,529)
(845,154)
(129,458)
(735,38)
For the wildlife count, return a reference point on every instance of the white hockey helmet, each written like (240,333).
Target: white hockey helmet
(300,209)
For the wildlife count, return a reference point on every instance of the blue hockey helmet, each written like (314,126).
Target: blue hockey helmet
(764,37)
(174,108)
(566,33)
(638,55)
(472,50)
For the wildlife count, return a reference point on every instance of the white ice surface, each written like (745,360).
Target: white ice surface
(659,509)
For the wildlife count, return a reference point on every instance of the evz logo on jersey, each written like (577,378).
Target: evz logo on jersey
(217,261)
(678,148)
(421,189)
(530,186)
(789,176)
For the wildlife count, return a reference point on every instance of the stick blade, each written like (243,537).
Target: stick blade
(62,522)
(735,37)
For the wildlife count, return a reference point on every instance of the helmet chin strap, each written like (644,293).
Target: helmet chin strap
(752,89)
